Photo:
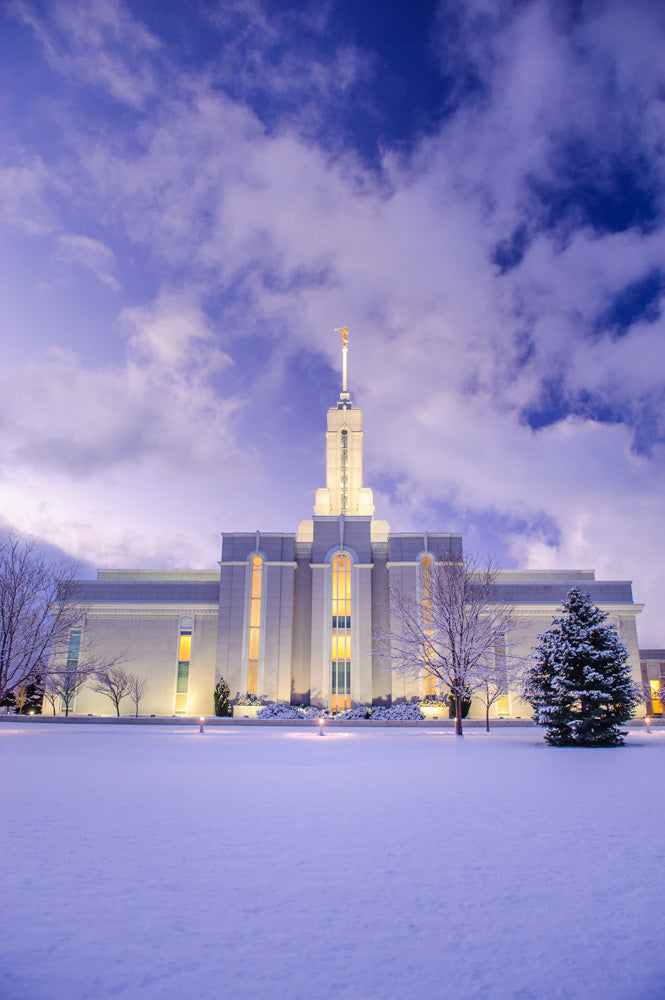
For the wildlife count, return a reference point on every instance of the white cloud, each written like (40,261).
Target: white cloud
(100,43)
(94,455)
(90,254)
(23,195)
(445,352)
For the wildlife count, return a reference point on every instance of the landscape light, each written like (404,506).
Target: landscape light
(321,720)
(202,720)
(648,722)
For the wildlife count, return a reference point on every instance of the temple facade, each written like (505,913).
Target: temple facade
(291,617)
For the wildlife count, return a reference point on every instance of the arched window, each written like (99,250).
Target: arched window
(426,604)
(254,626)
(341,633)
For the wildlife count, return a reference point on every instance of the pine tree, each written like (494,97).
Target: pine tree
(222,696)
(580,685)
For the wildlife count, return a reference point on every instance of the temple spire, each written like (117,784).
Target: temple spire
(345,347)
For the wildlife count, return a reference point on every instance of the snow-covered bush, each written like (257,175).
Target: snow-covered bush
(279,710)
(351,714)
(222,696)
(398,713)
(247,699)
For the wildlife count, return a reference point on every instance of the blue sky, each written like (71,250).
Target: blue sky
(194,196)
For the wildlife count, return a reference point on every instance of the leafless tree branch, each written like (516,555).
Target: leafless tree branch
(39,607)
(454,636)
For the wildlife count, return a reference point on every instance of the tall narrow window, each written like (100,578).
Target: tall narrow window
(341,633)
(656,702)
(74,648)
(503,700)
(73,657)
(426,598)
(345,469)
(254,638)
(182,682)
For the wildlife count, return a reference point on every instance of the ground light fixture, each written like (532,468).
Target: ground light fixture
(201,721)
(648,722)
(321,721)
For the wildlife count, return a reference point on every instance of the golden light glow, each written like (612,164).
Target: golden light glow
(341,592)
(341,633)
(253,644)
(185,648)
(426,594)
(655,700)
(341,646)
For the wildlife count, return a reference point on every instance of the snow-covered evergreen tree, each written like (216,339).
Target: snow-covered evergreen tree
(580,685)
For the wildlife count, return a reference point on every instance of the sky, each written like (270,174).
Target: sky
(194,196)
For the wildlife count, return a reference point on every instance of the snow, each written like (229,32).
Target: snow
(156,862)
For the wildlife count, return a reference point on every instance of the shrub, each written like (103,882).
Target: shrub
(222,696)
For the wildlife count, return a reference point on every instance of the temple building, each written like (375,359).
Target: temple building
(290,617)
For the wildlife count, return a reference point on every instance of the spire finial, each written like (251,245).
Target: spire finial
(345,346)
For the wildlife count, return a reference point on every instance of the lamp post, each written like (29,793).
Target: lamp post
(201,721)
(321,722)
(648,722)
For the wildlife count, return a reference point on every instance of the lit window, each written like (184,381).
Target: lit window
(254,638)
(426,598)
(182,679)
(503,701)
(655,700)
(185,652)
(341,633)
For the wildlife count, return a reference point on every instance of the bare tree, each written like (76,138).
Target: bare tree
(113,682)
(137,689)
(452,636)
(38,609)
(62,684)
(499,675)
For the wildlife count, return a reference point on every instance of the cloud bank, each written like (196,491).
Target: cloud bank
(497,255)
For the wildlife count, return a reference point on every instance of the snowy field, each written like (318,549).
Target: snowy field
(273,863)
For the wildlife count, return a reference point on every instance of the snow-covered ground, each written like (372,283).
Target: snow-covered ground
(156,862)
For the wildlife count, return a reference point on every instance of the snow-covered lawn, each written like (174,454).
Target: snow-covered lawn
(274,863)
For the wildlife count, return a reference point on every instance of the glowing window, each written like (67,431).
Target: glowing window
(503,701)
(426,598)
(503,705)
(340,687)
(655,700)
(182,677)
(254,637)
(185,650)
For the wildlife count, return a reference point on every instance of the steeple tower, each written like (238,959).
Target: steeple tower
(344,492)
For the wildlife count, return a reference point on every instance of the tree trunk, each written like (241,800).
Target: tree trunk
(458,716)
(487,718)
